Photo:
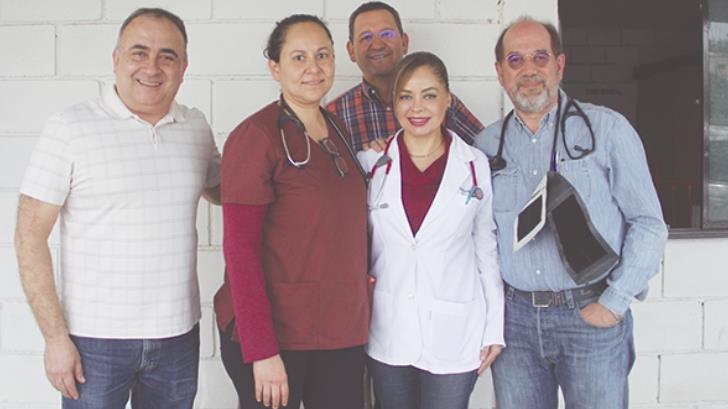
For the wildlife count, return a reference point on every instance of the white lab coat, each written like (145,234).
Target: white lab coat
(438,298)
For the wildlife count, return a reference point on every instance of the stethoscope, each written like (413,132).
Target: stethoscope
(385,160)
(497,162)
(286,113)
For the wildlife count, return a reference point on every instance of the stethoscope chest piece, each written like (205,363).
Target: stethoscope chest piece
(474,192)
(497,163)
(477,193)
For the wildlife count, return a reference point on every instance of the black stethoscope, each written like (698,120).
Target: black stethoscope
(385,160)
(286,113)
(497,162)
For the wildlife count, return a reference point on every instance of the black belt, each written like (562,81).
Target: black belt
(543,299)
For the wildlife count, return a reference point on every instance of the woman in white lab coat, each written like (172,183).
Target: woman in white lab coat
(437,319)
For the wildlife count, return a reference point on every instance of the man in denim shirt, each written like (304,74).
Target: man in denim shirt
(558,333)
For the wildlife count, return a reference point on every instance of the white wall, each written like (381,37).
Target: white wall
(53,54)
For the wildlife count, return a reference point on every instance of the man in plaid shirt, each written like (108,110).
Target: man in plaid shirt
(376,44)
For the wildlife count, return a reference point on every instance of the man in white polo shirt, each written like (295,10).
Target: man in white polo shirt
(125,172)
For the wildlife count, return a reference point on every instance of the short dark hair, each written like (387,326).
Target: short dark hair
(371,6)
(278,36)
(556,47)
(158,13)
(413,61)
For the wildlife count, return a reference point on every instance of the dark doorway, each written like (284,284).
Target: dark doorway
(645,59)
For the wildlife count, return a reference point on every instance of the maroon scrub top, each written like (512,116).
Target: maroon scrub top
(314,244)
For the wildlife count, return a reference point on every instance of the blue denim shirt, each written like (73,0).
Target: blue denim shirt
(614,183)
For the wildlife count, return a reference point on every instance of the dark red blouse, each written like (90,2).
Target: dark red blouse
(419,188)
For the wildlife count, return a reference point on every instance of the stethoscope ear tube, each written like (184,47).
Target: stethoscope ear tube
(286,111)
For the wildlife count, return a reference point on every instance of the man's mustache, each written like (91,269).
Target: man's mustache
(530,79)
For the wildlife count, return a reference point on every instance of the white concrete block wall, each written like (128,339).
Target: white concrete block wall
(58,53)
(28,58)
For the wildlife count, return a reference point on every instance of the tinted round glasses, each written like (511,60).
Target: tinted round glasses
(517,60)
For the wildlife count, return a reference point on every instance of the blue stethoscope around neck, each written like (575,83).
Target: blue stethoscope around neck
(385,160)
(497,162)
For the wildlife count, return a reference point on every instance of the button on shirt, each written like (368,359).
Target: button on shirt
(614,183)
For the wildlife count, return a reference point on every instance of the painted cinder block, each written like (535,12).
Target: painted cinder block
(215,389)
(10,287)
(540,10)
(643,387)
(696,268)
(210,272)
(50,10)
(483,396)
(185,9)
(196,94)
(216,226)
(481,98)
(14,156)
(693,377)
(18,330)
(233,101)
(8,211)
(344,65)
(457,43)
(227,49)
(26,105)
(468,10)
(407,9)
(23,382)
(716,324)
(273,10)
(202,223)
(87,49)
(28,50)
(666,326)
(207,333)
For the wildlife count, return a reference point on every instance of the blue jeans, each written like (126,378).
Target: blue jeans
(158,373)
(551,347)
(407,387)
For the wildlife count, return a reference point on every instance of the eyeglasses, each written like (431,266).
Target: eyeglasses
(386,34)
(539,58)
(339,162)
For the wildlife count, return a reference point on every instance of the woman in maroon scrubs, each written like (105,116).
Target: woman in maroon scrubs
(293,312)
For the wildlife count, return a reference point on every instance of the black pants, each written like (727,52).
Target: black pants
(321,379)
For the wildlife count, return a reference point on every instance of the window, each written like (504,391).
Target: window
(664,65)
(716,114)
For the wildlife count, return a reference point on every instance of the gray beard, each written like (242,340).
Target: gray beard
(534,104)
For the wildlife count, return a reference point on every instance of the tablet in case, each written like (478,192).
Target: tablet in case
(585,253)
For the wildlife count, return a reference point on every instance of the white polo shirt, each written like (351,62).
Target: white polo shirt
(129,193)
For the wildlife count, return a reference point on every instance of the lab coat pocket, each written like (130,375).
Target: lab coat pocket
(449,330)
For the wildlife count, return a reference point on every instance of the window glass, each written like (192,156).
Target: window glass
(716,212)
